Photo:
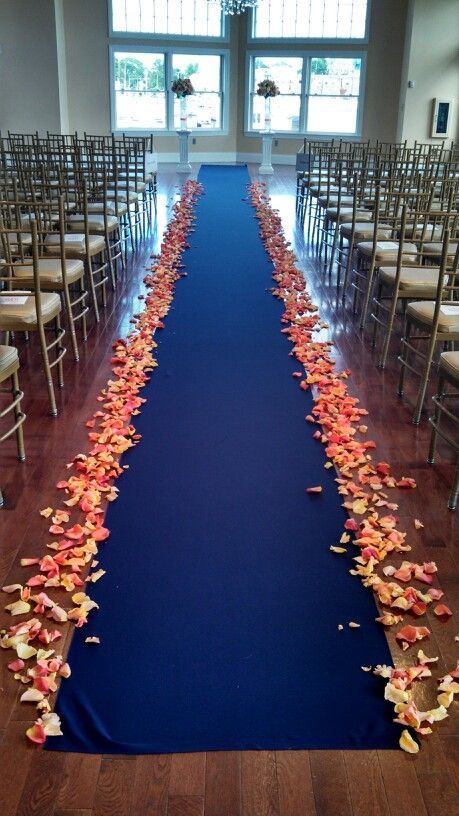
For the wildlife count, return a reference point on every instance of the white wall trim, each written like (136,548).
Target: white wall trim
(228,157)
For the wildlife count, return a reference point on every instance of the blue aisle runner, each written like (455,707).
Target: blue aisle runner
(219,611)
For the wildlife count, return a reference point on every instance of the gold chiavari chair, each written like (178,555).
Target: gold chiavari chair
(432,322)
(448,375)
(9,380)
(34,311)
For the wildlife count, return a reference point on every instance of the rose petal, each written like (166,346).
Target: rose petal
(407,743)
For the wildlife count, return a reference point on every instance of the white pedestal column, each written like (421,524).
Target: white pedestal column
(266,168)
(184,165)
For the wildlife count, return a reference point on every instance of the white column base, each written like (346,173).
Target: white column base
(184,165)
(266,168)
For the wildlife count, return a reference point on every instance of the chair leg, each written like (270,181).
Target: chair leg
(48,374)
(71,322)
(367,295)
(59,356)
(389,327)
(17,416)
(88,265)
(454,495)
(435,421)
(423,385)
(333,248)
(111,269)
(403,358)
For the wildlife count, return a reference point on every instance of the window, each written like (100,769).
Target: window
(285,109)
(140,95)
(177,18)
(310,19)
(318,94)
(205,105)
(334,86)
(142,99)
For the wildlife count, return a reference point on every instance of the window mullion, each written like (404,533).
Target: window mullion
(169,94)
(305,80)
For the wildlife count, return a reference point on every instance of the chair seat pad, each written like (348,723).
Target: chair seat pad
(98,207)
(8,356)
(50,271)
(413,279)
(11,317)
(333,200)
(435,249)
(123,196)
(75,244)
(449,362)
(387,254)
(365,230)
(422,312)
(96,223)
(346,213)
(432,232)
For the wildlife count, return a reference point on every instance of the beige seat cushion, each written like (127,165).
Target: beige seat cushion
(50,271)
(422,312)
(449,362)
(434,249)
(365,230)
(98,207)
(75,245)
(432,232)
(323,191)
(332,200)
(96,223)
(387,254)
(346,214)
(8,356)
(415,281)
(23,316)
(122,195)
(133,183)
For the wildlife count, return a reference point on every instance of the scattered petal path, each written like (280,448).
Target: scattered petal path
(78,529)
(363,483)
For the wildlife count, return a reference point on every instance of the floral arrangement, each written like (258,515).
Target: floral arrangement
(267,88)
(182,87)
(365,485)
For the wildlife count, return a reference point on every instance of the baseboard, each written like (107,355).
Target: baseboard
(277,158)
(228,157)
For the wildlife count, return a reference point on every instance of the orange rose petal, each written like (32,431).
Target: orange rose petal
(407,743)
(36,733)
(442,611)
(317,489)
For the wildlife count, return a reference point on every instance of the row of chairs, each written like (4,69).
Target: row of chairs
(387,225)
(69,210)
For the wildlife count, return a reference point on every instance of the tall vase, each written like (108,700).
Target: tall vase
(183,113)
(267,114)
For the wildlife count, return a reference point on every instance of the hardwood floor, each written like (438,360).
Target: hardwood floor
(281,783)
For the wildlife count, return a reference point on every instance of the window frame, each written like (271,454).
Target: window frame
(161,36)
(169,51)
(307,56)
(326,41)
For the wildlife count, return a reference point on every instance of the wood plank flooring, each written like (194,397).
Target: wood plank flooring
(284,783)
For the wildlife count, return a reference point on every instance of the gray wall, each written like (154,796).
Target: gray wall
(29,86)
(433,65)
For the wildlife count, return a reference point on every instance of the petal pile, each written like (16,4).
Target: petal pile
(77,529)
(364,483)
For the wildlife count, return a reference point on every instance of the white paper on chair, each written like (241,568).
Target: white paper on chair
(17,299)
(449,310)
(387,245)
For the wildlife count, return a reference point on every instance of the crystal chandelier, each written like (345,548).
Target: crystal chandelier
(235,6)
